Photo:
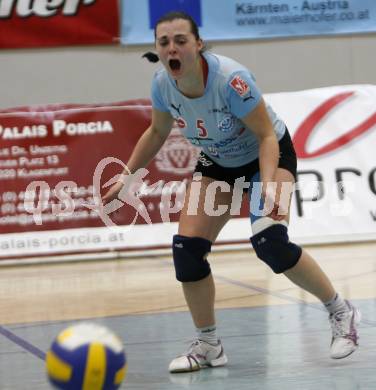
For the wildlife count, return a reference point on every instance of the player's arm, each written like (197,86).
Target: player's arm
(247,104)
(151,141)
(146,148)
(258,120)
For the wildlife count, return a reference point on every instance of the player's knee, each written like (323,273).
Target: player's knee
(189,255)
(272,245)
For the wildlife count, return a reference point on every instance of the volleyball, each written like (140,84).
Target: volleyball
(86,356)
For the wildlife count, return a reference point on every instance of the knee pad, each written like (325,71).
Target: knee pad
(189,255)
(273,247)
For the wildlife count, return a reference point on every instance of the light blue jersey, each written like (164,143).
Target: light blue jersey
(212,121)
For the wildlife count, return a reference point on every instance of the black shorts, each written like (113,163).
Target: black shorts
(209,168)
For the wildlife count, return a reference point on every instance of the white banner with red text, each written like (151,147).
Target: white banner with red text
(56,160)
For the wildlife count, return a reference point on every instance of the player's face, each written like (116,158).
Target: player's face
(177,47)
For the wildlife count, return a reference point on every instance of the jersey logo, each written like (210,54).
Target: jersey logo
(176,108)
(213,150)
(240,86)
(226,124)
(204,161)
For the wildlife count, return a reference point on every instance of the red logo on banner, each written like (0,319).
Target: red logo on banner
(177,156)
(306,129)
(38,23)
(240,86)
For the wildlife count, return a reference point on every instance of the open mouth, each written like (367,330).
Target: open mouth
(174,64)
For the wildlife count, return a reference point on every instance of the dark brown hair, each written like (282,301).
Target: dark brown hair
(169,17)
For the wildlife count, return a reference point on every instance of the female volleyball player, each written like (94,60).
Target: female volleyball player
(218,106)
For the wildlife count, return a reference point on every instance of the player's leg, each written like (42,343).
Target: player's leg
(193,224)
(285,257)
(198,228)
(306,273)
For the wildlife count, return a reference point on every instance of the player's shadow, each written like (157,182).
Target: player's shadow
(203,375)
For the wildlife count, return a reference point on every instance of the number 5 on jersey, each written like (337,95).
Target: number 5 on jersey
(202,132)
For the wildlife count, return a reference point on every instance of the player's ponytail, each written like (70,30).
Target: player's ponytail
(151,57)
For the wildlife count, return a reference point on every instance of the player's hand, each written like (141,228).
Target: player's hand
(276,213)
(271,204)
(113,192)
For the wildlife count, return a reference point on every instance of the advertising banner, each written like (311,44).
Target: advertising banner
(334,134)
(259,19)
(56,160)
(41,23)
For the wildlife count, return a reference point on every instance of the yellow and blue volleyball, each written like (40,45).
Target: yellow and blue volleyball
(86,356)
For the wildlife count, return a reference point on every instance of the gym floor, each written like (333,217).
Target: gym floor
(275,335)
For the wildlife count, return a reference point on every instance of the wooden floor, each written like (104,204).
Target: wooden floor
(276,335)
(98,289)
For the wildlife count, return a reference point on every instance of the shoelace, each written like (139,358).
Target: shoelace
(192,345)
(339,325)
